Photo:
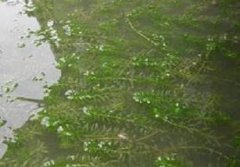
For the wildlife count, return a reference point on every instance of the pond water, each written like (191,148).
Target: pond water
(24,68)
(151,82)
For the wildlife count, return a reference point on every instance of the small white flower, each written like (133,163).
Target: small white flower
(50,23)
(60,129)
(49,163)
(101,48)
(86,73)
(100,145)
(69,92)
(67,30)
(62,59)
(67,134)
(71,157)
(85,110)
(70,97)
(167,74)
(45,122)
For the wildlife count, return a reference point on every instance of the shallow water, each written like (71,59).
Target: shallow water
(22,64)
(213,88)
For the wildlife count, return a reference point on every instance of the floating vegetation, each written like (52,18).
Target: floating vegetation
(9,86)
(2,122)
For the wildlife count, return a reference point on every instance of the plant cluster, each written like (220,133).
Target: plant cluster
(132,86)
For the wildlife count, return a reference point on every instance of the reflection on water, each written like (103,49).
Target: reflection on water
(21,62)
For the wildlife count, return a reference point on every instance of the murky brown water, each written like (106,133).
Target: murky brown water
(22,64)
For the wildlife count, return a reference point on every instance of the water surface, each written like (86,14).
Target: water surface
(22,65)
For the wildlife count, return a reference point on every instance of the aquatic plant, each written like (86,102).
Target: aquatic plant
(132,85)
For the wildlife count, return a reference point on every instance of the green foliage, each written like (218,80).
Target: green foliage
(130,92)
(168,161)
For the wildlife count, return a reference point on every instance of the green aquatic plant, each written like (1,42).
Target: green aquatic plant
(132,90)
(2,122)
